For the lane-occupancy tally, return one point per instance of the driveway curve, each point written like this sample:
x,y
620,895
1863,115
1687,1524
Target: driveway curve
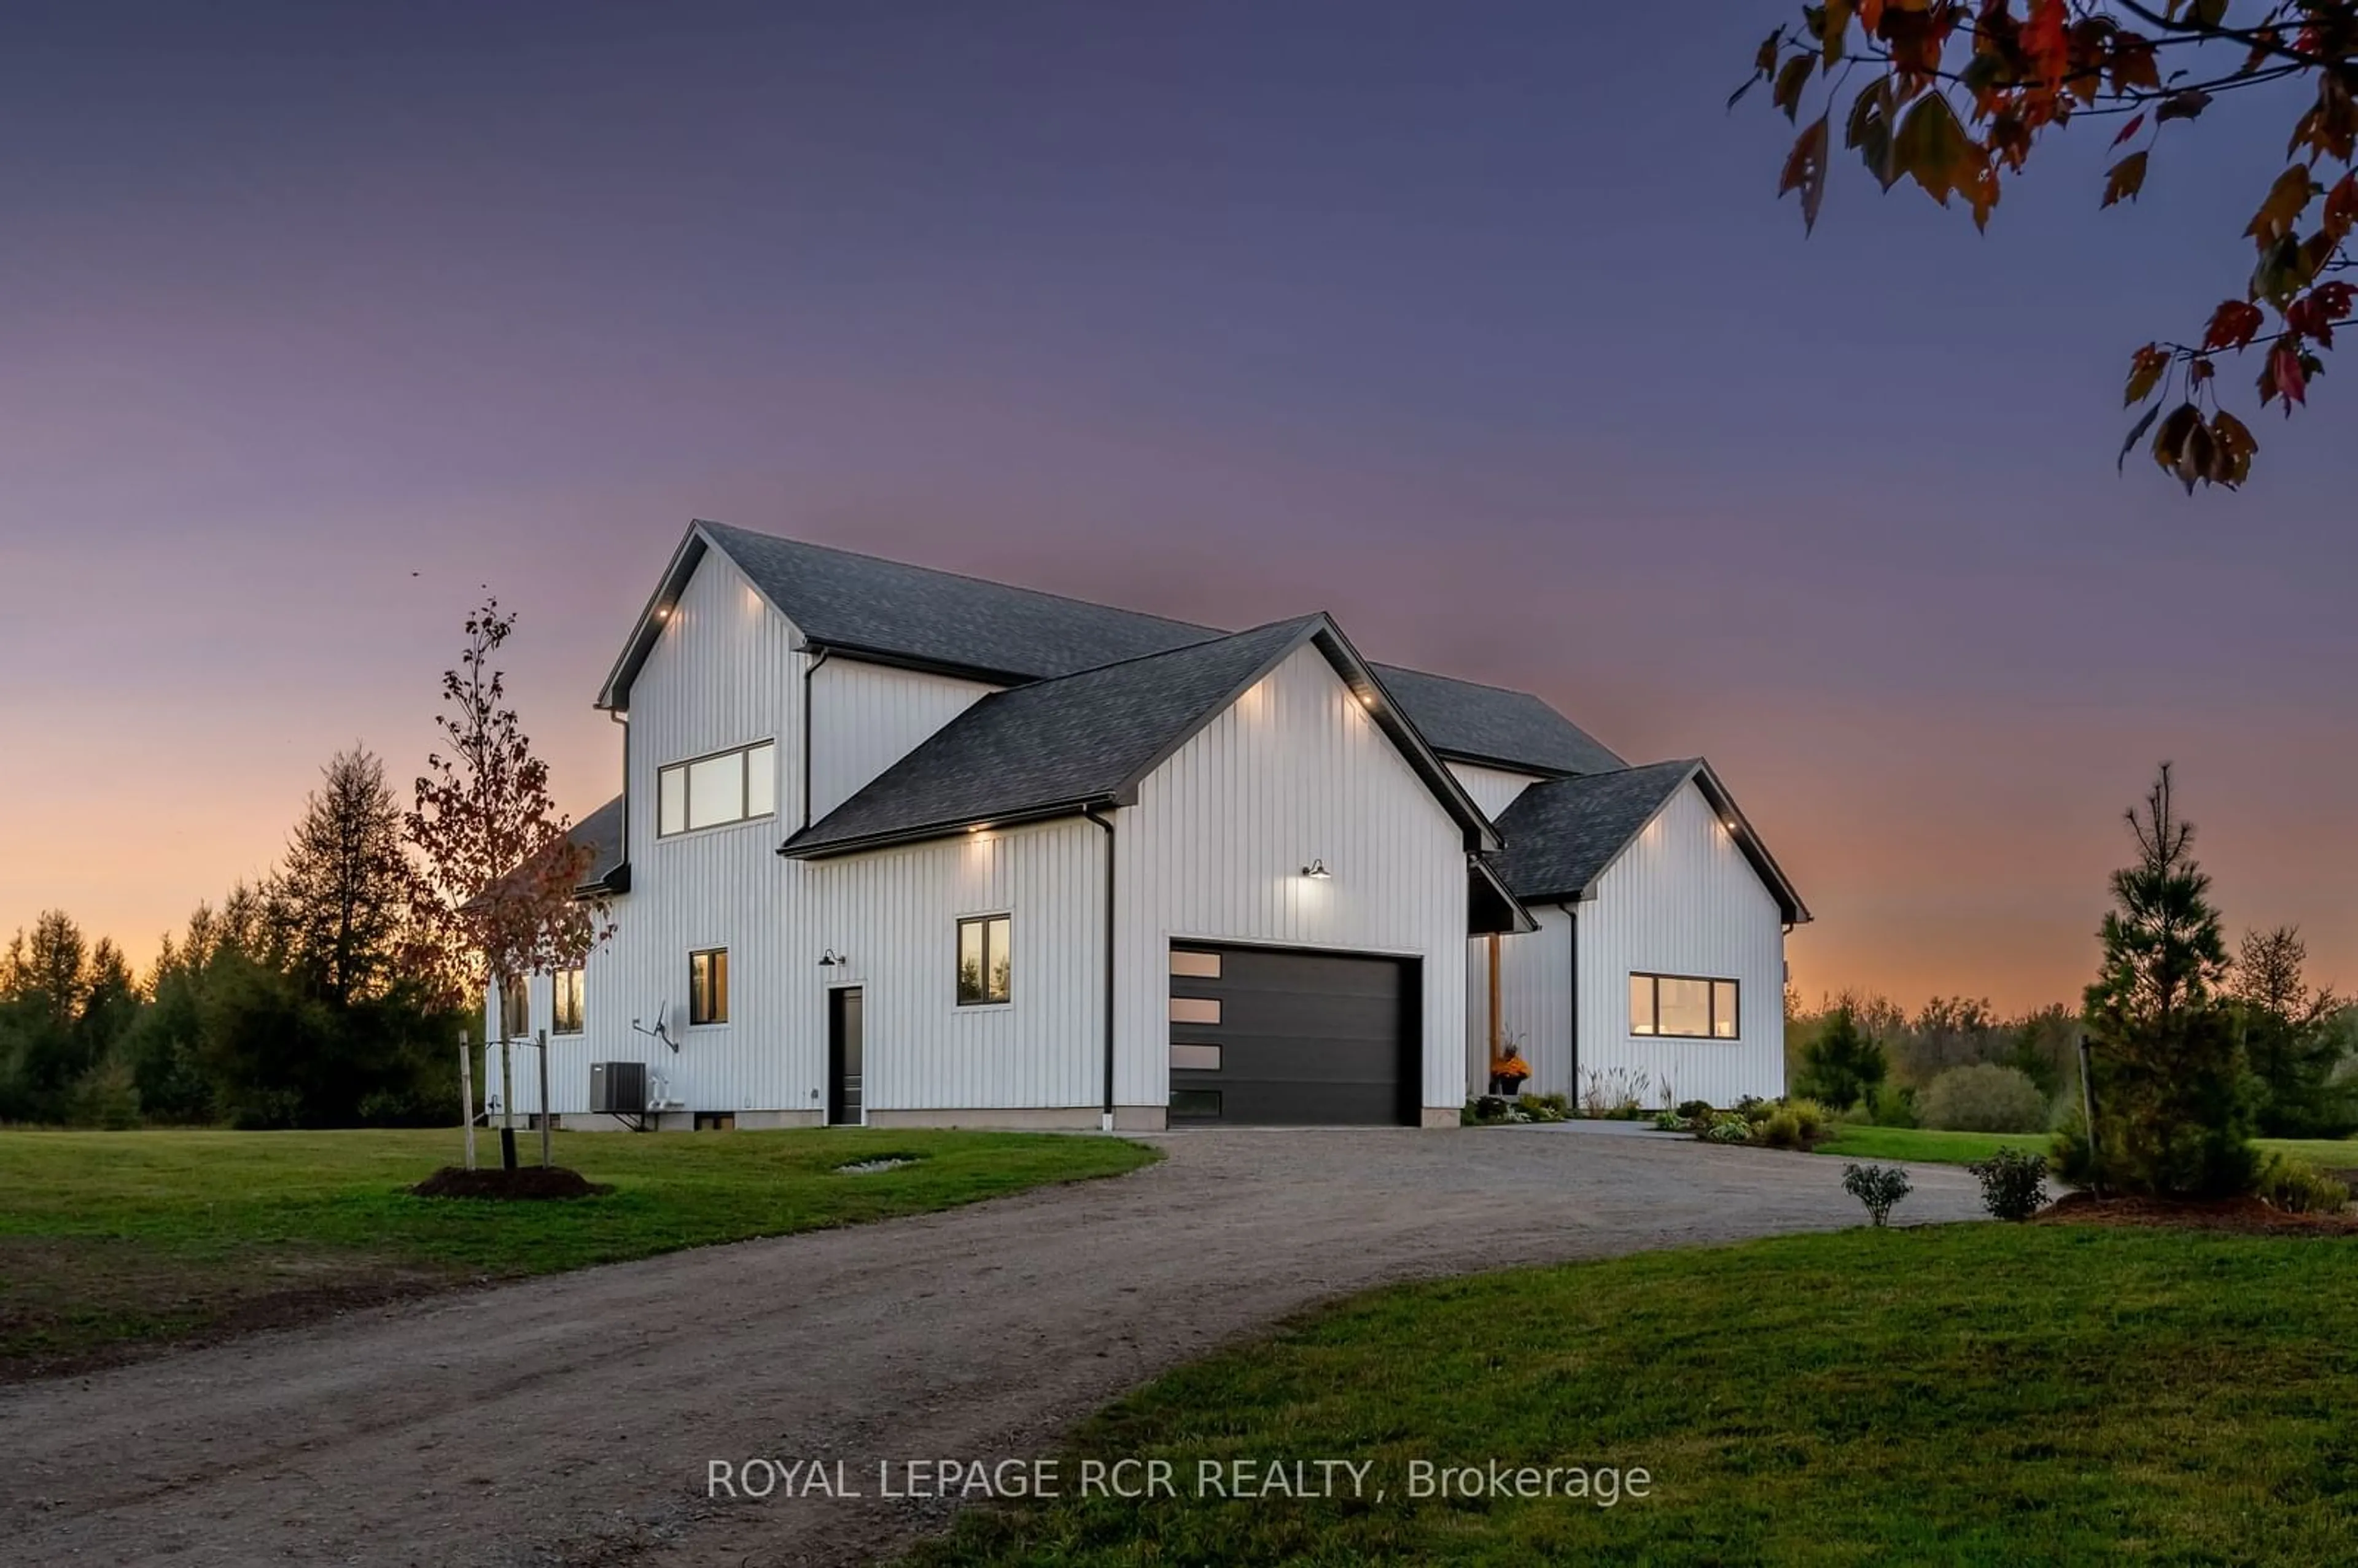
x,y
571,1420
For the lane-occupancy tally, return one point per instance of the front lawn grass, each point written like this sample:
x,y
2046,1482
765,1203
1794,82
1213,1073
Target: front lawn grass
x,y
1923,1145
115,1238
1950,1394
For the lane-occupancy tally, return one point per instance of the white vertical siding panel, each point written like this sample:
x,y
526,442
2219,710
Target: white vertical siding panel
x,y
724,672
1683,899
894,913
1294,771
1534,1003
865,718
1493,789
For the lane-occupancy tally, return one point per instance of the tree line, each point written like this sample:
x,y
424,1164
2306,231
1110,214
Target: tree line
x,y
338,989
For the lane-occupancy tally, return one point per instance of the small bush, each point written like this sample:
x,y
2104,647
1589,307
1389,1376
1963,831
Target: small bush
x,y
1694,1110
1668,1121
2296,1186
1893,1105
2013,1183
1983,1097
1812,1117
1546,1107
1879,1187
1752,1108
105,1097
1728,1128
1782,1130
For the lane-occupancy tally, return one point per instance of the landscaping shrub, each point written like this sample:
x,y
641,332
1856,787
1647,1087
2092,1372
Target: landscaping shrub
x,y
1844,1064
1728,1128
1893,1105
2013,1183
1879,1187
1781,1130
2296,1186
1752,1108
1812,1117
1668,1121
1983,1097
1694,1110
1546,1107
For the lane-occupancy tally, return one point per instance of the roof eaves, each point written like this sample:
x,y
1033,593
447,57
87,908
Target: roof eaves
x,y
797,848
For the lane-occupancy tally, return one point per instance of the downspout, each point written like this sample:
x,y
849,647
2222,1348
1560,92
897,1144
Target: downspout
x,y
623,718
1492,1066
1105,1122
1571,988
810,668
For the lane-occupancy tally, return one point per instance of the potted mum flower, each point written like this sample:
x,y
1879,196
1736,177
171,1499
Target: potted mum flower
x,y
1509,1073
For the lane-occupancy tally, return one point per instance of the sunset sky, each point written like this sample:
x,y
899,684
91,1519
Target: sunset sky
x,y
1480,326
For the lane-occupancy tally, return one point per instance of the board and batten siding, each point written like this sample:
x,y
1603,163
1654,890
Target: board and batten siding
x,y
893,915
724,672
865,718
1493,789
1534,1003
1682,900
1294,771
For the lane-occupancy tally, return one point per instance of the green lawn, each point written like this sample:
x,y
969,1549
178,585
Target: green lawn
x,y
1948,1394
1925,1146
116,1238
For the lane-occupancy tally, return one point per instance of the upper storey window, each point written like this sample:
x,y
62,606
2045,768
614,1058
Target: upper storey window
x,y
728,786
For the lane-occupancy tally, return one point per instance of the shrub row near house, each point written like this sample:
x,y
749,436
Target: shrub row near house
x,y
1791,1124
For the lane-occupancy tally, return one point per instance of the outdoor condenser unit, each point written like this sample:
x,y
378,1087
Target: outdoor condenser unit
x,y
618,1089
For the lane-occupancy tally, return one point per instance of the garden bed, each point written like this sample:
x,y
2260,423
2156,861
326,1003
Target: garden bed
x,y
541,1182
2246,1214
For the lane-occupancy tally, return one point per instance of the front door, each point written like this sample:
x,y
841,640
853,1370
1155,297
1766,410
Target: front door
x,y
843,1053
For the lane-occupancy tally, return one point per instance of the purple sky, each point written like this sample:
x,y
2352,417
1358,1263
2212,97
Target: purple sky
x,y
1480,326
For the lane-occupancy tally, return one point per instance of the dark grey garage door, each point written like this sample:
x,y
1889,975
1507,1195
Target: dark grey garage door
x,y
1293,1039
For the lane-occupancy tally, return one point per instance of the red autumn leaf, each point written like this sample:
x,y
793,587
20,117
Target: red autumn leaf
x,y
2289,380
1805,170
2045,45
2233,325
2137,123
2145,373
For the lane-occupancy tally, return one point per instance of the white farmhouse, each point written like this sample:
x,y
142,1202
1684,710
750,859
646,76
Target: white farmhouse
x,y
909,849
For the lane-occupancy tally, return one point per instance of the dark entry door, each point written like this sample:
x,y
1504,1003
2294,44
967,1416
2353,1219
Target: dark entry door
x,y
843,1053
1292,1038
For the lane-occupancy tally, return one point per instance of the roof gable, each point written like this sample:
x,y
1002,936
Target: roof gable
x,y
892,612
1563,835
1076,742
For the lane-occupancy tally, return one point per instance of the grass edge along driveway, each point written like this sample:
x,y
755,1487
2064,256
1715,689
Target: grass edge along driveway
x,y
114,1242
1944,1393
1927,1146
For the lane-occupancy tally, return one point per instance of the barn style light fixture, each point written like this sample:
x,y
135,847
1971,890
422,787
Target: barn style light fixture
x,y
1316,871
833,960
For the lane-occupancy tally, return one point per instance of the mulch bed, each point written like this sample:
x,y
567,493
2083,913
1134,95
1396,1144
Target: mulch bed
x,y
2249,1215
525,1182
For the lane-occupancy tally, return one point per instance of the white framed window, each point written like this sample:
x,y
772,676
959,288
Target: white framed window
x,y
515,1010
565,1012
1684,1007
710,792
986,970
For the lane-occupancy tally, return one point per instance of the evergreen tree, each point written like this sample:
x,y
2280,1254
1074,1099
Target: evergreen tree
x,y
341,901
2173,1096
2294,1037
1842,1065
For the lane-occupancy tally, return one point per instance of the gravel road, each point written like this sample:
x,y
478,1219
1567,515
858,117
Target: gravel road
x,y
571,1420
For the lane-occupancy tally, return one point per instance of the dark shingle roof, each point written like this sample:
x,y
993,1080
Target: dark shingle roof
x,y
855,601
1491,723
1055,745
892,609
603,831
1561,834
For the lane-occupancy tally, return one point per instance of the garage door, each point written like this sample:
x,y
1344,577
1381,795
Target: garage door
x,y
1292,1039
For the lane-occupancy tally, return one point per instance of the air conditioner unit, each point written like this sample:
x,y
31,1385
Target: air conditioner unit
x,y
618,1089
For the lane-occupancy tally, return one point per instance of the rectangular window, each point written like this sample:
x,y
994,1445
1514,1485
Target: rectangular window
x,y
1194,1102
985,970
566,1016
707,986
1194,966
515,1010
1196,1058
1195,1009
1685,1006
728,786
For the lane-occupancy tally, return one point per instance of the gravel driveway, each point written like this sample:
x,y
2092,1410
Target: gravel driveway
x,y
571,1419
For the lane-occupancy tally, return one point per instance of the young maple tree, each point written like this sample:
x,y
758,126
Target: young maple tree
x,y
1955,95
499,891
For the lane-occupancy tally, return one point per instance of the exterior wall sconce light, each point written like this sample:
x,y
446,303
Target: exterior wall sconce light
x,y
1316,871
832,959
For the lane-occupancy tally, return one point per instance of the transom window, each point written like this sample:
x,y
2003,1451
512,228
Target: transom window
x,y
1685,1006
728,786
565,1015
707,986
985,970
